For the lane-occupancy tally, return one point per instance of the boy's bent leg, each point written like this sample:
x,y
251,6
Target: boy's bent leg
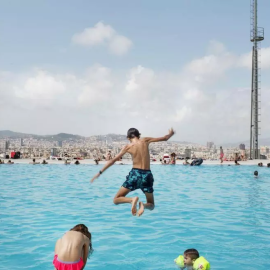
x,y
150,204
120,197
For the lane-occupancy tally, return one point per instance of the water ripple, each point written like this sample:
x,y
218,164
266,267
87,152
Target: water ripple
x,y
222,211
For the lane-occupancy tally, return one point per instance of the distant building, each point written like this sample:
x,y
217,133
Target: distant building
x,y
53,152
7,145
187,153
21,142
210,145
60,143
267,150
242,146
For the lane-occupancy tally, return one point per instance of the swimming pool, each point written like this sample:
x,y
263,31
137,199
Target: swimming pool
x,y
222,211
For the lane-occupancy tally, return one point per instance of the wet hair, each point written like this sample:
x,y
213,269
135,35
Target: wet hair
x,y
84,230
192,253
268,164
256,173
132,133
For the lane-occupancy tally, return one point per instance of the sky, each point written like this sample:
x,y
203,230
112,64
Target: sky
x,y
97,67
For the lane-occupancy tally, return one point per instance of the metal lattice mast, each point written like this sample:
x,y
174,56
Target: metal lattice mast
x,y
256,36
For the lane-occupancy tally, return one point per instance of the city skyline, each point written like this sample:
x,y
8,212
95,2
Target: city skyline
x,y
7,134
98,69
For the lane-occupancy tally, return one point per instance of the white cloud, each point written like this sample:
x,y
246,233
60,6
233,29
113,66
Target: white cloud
x,y
94,35
216,47
102,34
40,88
202,101
96,87
245,60
212,64
182,113
120,45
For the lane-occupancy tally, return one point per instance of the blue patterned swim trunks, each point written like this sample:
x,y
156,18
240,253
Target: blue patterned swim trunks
x,y
142,179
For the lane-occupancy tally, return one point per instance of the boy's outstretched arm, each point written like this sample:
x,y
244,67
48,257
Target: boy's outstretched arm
x,y
111,162
164,138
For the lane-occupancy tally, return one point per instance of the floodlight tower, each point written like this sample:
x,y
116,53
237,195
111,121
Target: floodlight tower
x,y
256,36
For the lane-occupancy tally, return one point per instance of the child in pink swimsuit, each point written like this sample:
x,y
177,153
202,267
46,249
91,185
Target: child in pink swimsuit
x,y
73,249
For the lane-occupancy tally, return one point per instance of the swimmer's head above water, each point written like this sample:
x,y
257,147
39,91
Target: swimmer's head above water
x,y
84,230
133,133
190,256
256,173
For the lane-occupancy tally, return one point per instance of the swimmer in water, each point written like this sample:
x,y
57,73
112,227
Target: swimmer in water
x,y
140,177
34,162
73,249
256,174
190,256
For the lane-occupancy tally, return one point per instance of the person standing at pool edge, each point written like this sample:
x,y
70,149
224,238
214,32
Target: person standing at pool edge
x,y
140,176
221,154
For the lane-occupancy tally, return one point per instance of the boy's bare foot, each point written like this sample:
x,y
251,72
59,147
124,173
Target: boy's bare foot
x,y
141,209
134,205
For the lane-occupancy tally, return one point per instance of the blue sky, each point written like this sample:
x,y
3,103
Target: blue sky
x,y
166,34
166,37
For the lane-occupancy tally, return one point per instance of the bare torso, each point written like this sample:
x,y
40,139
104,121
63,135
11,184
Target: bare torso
x,y
139,151
70,247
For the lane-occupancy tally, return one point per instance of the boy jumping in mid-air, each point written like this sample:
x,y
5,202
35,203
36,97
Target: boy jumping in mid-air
x,y
140,176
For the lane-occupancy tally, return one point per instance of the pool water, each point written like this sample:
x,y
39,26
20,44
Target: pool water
x,y
222,211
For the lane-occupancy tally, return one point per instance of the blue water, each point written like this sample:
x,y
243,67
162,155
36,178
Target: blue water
x,y
222,211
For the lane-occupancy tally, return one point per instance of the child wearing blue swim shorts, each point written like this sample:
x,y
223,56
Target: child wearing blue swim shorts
x,y
140,177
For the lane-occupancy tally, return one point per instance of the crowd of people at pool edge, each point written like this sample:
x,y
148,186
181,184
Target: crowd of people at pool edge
x,y
166,160
74,248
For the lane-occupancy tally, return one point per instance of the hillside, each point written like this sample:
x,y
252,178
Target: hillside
x,y
57,137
